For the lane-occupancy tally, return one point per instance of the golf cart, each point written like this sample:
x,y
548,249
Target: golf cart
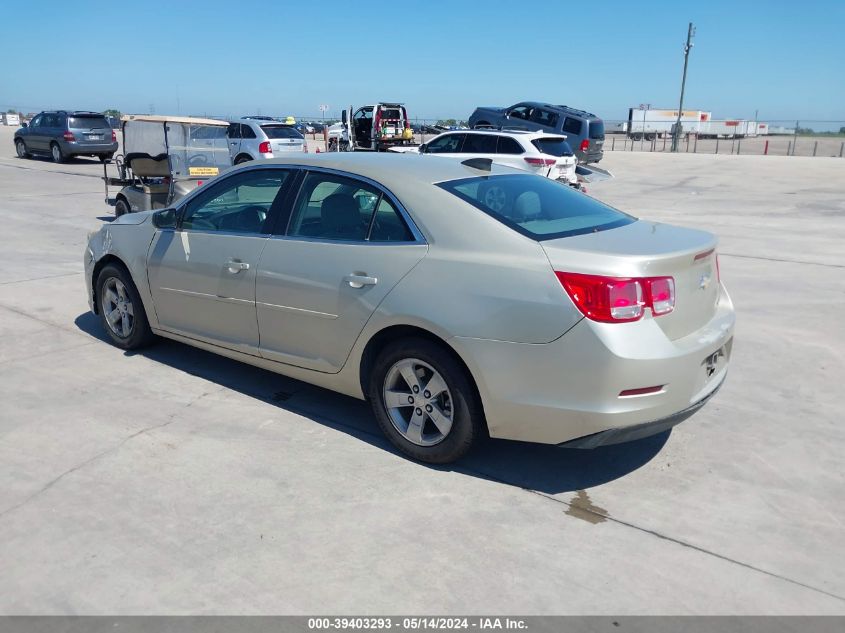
x,y
163,159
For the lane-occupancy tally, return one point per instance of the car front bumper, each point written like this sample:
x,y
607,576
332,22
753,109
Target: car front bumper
x,y
572,387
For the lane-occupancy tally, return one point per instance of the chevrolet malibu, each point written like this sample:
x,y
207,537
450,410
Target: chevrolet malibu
x,y
462,299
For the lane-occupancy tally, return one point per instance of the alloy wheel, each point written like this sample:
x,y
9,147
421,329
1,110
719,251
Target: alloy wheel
x,y
20,148
117,308
418,402
57,153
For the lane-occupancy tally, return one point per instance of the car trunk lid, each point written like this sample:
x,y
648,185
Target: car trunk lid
x,y
650,249
90,129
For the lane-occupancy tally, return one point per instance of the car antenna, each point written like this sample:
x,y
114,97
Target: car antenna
x,y
483,164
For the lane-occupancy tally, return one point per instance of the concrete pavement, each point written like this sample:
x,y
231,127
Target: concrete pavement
x,y
174,481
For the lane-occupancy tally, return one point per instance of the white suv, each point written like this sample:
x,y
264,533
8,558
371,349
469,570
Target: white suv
x,y
262,138
539,152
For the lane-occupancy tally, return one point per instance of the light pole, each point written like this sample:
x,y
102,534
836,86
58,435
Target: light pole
x,y
677,133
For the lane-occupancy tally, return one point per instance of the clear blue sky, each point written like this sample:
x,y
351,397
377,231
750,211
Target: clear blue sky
x,y
786,59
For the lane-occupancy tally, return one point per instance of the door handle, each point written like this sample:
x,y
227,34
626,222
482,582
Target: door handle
x,y
234,266
359,281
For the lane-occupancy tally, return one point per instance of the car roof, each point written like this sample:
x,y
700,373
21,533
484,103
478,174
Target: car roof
x,y
393,169
563,108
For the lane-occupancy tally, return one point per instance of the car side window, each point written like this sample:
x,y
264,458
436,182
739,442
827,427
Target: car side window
x,y
388,225
479,144
247,131
571,125
234,130
36,122
508,145
238,204
543,117
50,120
521,112
333,208
446,144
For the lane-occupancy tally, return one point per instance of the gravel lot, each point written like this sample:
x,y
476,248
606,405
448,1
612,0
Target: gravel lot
x,y
174,481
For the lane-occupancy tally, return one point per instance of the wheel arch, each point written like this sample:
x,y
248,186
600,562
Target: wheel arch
x,y
102,263
243,155
392,333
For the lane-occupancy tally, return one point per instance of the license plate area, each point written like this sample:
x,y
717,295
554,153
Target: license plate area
x,y
94,137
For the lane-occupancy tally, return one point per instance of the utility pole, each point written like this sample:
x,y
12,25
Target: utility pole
x,y
677,133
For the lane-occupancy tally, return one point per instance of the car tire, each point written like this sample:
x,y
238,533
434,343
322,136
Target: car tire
x,y
104,157
494,197
243,158
56,153
20,149
121,309
121,207
411,426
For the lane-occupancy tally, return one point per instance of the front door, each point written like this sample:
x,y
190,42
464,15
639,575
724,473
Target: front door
x,y
35,139
233,136
346,247
202,275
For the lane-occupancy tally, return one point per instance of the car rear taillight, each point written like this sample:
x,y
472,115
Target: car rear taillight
x,y
113,137
69,137
377,123
264,148
585,145
618,299
541,162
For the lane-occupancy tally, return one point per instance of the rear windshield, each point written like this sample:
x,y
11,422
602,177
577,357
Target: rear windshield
x,y
537,207
391,114
597,129
281,131
87,121
553,146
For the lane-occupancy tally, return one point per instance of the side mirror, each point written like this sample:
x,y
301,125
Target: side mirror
x,y
343,117
423,148
507,115
24,124
166,219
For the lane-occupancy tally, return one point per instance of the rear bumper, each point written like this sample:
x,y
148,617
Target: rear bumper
x,y
573,387
87,148
638,431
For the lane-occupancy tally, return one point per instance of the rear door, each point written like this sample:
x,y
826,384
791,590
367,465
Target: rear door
x,y
445,144
320,279
89,129
202,276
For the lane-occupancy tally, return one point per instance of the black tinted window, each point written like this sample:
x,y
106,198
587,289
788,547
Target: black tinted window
x,y
446,144
521,112
546,118
597,129
555,146
87,122
507,145
234,130
247,131
572,126
537,207
280,131
479,144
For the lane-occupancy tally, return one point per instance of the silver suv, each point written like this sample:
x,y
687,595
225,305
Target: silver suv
x,y
262,138
62,134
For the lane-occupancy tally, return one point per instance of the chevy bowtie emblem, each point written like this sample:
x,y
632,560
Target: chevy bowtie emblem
x,y
704,281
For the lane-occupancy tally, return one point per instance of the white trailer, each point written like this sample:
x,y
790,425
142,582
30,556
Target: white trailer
x,y
729,128
11,119
648,123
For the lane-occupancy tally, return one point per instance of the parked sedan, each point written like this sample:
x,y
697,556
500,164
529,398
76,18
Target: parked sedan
x,y
549,318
